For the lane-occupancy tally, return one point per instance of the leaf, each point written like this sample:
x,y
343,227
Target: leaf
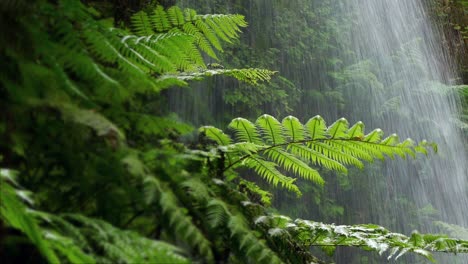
x,y
269,172
293,147
338,129
293,128
316,128
291,163
216,134
245,130
271,128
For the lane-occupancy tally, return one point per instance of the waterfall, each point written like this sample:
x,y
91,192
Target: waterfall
x,y
393,72
416,100
405,50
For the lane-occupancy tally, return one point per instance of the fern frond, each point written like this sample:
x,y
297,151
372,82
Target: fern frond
x,y
316,128
201,39
160,20
271,128
113,244
15,214
217,213
197,189
176,16
251,76
356,131
99,46
179,223
335,154
367,236
106,46
316,158
294,128
338,129
269,172
208,33
374,136
216,134
360,151
159,126
245,130
205,28
219,31
156,61
141,24
249,246
229,25
179,48
251,188
294,146
237,150
289,162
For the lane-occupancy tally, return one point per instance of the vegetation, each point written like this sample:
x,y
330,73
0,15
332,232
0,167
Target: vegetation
x,y
96,170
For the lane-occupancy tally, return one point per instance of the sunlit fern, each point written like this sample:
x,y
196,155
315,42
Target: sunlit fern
x,y
267,145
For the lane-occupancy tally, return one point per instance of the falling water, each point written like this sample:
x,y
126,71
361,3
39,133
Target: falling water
x,y
394,44
397,38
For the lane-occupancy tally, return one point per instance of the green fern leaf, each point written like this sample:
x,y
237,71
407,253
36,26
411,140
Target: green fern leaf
x,y
141,24
208,33
248,246
335,154
269,172
292,146
363,152
316,158
245,130
176,16
178,222
374,136
202,41
146,47
229,25
291,163
271,128
356,131
14,213
317,128
216,134
367,236
190,14
217,213
294,129
251,187
339,129
251,76
182,226
160,20
219,32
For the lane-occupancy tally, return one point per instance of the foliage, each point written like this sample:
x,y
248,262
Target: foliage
x,y
75,237
368,236
293,146
106,175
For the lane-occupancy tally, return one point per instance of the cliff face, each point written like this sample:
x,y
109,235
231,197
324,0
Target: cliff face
x,y
453,16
